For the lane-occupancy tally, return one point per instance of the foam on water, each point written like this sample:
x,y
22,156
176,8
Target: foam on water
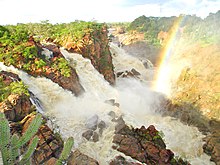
x,y
138,105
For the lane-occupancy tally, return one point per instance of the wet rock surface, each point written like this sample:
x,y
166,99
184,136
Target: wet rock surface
x,y
143,144
20,112
78,158
72,82
97,51
95,128
131,73
120,160
112,102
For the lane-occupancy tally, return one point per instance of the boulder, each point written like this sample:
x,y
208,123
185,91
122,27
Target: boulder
x,y
142,144
77,158
92,122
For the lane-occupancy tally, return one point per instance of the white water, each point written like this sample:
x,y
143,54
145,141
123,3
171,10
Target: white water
x,y
123,61
137,105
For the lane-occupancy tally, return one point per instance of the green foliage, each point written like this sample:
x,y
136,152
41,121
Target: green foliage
x,y
17,87
10,145
206,30
14,49
29,52
40,63
3,30
66,151
62,65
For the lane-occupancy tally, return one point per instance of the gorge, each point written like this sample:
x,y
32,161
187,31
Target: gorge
x,y
95,92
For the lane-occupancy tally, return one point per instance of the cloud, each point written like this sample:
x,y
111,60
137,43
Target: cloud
x,y
57,11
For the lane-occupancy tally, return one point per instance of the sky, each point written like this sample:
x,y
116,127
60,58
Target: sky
x,y
59,11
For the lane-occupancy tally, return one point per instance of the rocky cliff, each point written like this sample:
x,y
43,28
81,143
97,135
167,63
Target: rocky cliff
x,y
95,46
16,105
19,110
28,55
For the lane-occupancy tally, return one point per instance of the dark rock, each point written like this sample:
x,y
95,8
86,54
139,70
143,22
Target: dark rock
x,y
136,73
92,122
120,125
126,73
95,137
16,107
88,134
51,161
212,146
97,52
77,158
119,160
166,155
112,102
101,126
9,77
112,114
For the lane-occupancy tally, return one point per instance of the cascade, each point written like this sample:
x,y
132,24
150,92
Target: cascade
x,y
138,105
123,61
35,101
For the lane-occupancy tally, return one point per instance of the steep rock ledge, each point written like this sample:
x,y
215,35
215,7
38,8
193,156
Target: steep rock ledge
x,y
18,109
70,82
28,56
95,46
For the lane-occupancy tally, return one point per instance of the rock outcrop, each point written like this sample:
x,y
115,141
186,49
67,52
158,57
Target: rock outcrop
x,y
95,46
42,60
119,160
143,144
14,106
78,158
49,146
132,73
70,82
19,110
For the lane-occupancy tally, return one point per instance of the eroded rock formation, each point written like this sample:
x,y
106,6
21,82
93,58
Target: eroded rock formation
x,y
95,46
143,144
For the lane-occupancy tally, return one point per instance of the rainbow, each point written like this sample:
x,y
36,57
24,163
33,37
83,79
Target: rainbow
x,y
162,62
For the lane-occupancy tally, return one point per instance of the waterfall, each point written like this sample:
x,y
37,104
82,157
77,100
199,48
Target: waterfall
x,y
35,101
138,105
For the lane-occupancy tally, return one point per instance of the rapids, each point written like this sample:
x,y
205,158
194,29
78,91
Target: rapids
x,y
138,106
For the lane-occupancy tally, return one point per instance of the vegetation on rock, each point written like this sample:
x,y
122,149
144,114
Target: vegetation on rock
x,y
204,30
24,137
87,38
16,87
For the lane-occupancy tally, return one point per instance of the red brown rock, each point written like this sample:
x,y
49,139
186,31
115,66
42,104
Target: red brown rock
x,y
49,146
77,158
144,145
97,51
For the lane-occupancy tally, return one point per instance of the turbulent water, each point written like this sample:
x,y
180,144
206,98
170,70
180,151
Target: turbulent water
x,y
138,104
